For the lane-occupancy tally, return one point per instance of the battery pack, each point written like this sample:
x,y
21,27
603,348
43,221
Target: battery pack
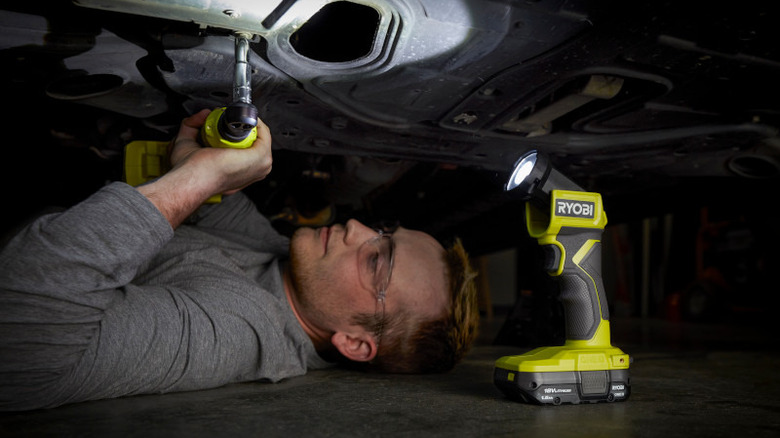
x,y
147,160
564,387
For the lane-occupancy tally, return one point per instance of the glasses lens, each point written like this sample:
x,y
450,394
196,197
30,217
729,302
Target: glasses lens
x,y
376,264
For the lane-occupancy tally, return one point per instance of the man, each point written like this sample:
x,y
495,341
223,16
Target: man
x,y
106,300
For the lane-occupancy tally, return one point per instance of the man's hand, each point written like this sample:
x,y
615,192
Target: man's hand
x,y
199,172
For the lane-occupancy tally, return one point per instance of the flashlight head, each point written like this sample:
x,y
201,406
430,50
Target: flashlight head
x,y
533,177
529,170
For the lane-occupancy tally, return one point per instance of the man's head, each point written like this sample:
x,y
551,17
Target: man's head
x,y
428,316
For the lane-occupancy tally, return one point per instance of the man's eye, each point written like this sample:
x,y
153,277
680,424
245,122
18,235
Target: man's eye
x,y
373,262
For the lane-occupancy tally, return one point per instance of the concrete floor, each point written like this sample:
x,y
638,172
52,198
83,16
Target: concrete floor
x,y
687,380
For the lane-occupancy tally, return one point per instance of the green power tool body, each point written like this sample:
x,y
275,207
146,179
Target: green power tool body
x,y
587,368
233,126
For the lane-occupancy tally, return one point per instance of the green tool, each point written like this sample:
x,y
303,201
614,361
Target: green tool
x,y
568,223
232,126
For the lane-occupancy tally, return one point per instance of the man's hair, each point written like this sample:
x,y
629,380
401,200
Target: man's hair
x,y
410,345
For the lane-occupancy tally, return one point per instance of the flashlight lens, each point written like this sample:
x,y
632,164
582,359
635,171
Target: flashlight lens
x,y
523,168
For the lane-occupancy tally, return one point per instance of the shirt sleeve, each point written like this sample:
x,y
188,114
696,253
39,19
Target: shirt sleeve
x,y
97,245
58,278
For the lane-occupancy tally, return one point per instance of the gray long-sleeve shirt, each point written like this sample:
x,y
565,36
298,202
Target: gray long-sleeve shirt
x,y
105,300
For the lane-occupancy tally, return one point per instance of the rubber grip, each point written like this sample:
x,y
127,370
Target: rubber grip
x,y
582,288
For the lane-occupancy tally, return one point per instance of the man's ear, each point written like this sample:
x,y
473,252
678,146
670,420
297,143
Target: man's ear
x,y
358,347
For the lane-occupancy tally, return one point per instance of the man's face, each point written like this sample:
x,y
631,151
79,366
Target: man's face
x,y
325,265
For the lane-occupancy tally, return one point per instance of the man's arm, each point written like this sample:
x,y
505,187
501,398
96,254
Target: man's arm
x,y
198,172
63,274
98,244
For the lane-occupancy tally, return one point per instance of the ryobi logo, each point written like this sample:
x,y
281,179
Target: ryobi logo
x,y
568,208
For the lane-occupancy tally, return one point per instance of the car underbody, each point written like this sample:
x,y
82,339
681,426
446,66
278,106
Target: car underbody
x,y
409,110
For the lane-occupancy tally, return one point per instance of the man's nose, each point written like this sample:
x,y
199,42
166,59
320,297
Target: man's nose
x,y
357,233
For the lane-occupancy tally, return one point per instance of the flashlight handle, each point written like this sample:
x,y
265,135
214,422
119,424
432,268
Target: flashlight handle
x,y
581,285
